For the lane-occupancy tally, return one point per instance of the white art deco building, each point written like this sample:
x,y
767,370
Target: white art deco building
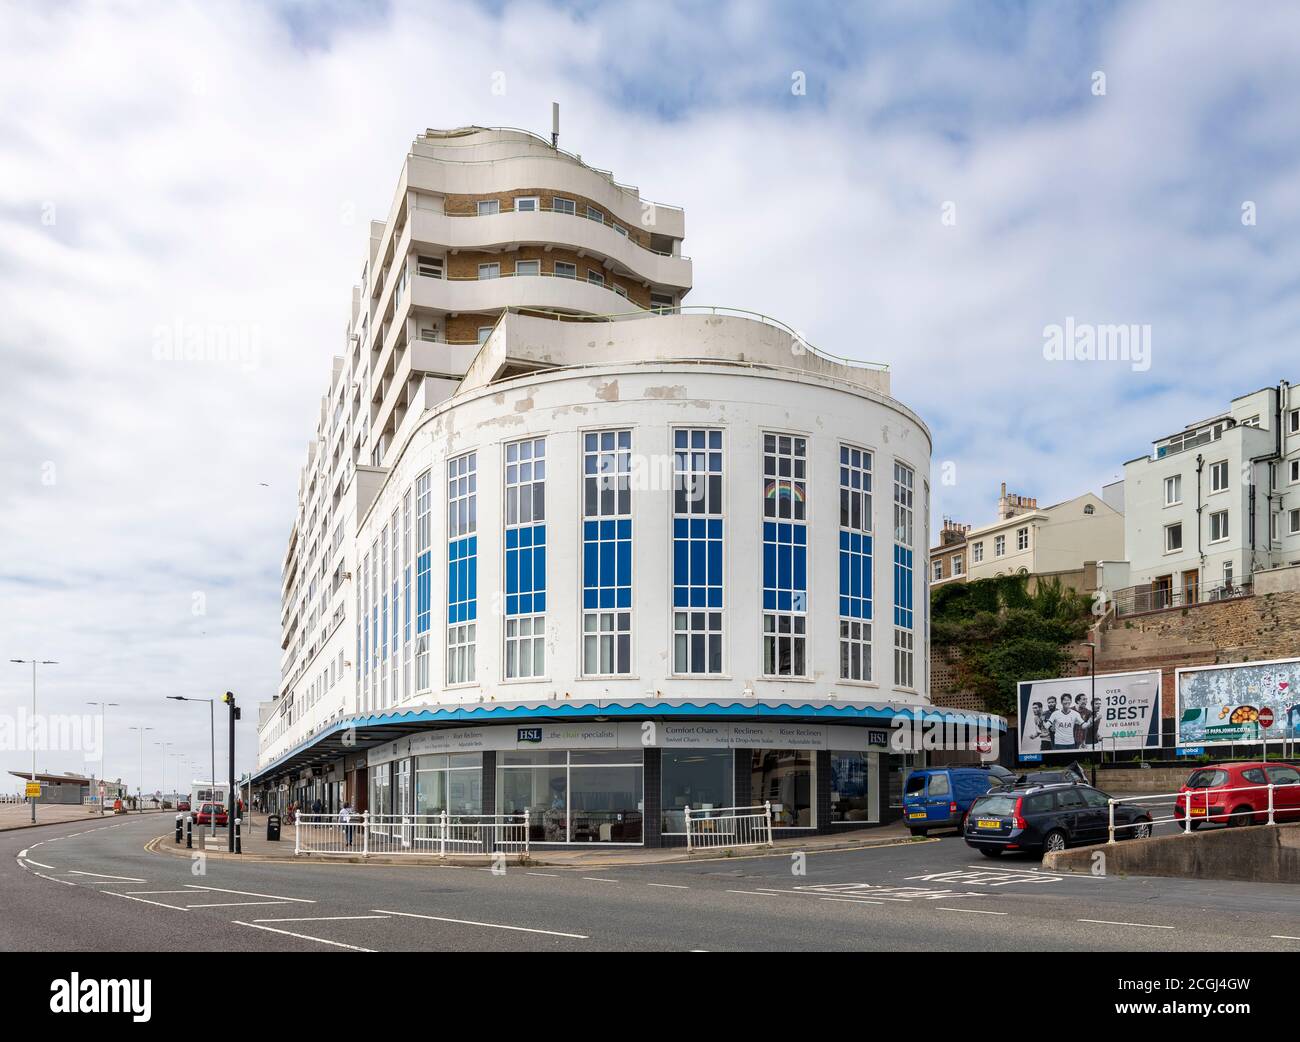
x,y
567,544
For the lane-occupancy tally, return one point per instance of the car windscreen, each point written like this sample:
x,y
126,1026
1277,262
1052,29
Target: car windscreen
x,y
994,806
1205,779
915,784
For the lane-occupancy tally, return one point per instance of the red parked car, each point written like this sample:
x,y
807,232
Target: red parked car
x,y
208,811
1235,794
183,805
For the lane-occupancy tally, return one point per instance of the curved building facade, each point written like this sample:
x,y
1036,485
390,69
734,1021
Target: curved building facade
x,y
607,557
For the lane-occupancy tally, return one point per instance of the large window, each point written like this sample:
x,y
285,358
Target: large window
x,y
855,563
423,575
1219,476
904,642
380,792
462,567
583,796
697,551
785,555
702,779
1218,526
451,782
784,778
407,605
525,559
607,553
851,786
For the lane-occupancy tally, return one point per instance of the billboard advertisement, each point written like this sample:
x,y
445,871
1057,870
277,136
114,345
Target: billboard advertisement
x,y
1249,702
1067,716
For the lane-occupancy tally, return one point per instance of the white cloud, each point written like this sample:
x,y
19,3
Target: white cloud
x,y
208,166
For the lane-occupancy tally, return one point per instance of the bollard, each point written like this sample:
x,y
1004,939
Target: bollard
x,y
178,827
189,832
239,845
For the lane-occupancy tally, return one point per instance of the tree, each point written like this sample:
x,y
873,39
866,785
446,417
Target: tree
x,y
1003,634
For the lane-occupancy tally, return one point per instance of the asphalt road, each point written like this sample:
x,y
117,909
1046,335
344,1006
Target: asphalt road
x,y
93,887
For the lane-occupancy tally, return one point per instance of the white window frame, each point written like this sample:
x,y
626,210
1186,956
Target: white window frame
x,y
594,215
493,270
904,658
938,569
999,546
488,207
1293,421
528,204
958,565
429,267
534,267
1225,534
1174,482
1217,468
1293,521
570,272
1293,471
561,204
1169,530
595,277
1022,538
977,552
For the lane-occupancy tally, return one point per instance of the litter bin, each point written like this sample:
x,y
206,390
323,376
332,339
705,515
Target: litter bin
x,y
273,827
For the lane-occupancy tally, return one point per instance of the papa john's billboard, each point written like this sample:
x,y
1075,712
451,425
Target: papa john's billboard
x,y
1248,702
1067,716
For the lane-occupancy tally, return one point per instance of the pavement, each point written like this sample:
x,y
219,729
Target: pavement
x,y
97,888
256,846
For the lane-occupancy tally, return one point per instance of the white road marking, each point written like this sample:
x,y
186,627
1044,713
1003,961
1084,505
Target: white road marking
x,y
249,893
495,926
851,901
545,875
39,865
236,904
105,875
160,904
23,852
971,911
1108,922
671,886
755,893
321,918
1283,937
598,879
303,936
187,893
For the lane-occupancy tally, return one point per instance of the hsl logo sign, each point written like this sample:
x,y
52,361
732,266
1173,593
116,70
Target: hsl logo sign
x,y
529,734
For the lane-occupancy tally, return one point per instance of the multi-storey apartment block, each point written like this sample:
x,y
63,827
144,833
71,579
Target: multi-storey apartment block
x,y
567,546
1214,504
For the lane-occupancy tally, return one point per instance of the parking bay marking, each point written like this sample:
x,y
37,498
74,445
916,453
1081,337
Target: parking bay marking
x,y
495,926
303,936
1108,922
248,893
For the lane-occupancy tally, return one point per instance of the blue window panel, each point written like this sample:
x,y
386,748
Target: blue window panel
x,y
423,572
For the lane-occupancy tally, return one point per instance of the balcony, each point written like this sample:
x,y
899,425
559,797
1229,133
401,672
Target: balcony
x,y
1158,596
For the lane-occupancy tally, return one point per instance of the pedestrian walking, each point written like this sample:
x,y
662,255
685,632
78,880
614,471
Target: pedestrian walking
x,y
345,819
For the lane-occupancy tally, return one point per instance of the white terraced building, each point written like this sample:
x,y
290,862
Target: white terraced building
x,y
567,546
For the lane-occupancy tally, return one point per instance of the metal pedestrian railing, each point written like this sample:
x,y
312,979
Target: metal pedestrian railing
x,y
430,835
711,828
1221,805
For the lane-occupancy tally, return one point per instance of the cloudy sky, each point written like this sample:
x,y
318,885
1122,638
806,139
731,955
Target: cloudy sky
x,y
925,184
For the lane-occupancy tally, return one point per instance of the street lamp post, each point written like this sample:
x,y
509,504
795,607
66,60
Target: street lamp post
x,y
212,733
164,746
34,664
1092,706
139,785
103,778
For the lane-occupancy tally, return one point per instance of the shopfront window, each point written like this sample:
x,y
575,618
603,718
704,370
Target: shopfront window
x,y
579,797
402,787
699,779
851,781
784,778
451,782
381,793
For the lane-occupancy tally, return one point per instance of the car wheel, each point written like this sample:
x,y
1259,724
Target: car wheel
x,y
1241,817
917,832
1054,840
991,851
1195,825
1141,830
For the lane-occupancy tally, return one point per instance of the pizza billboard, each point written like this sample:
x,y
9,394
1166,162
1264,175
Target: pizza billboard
x,y
1068,716
1244,703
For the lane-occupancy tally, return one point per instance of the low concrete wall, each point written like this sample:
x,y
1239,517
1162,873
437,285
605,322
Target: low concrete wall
x,y
1257,853
1156,779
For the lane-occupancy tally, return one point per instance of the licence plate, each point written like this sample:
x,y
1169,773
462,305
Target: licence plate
x,y
917,814
1198,810
986,823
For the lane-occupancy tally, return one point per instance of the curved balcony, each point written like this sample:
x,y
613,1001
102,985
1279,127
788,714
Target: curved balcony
x,y
543,292
471,232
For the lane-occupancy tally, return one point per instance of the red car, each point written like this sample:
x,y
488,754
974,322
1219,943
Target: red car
x,y
183,805
208,811
1237,794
